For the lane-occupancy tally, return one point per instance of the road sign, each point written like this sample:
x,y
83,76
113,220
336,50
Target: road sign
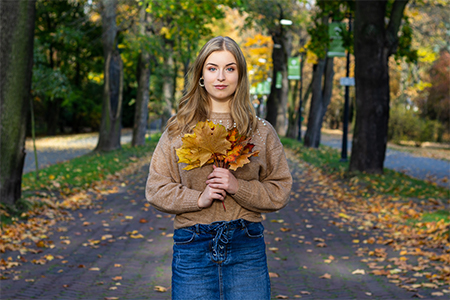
x,y
348,81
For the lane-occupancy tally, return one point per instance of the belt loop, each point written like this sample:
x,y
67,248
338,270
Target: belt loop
x,y
243,225
197,228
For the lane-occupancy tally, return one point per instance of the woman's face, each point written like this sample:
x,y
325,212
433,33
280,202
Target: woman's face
x,y
220,74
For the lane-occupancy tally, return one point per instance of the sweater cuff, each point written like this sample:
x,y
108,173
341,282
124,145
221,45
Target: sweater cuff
x,y
244,192
190,202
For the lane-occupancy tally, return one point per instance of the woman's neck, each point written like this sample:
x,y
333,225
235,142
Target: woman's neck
x,y
220,107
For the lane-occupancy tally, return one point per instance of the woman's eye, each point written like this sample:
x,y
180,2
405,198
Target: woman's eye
x,y
212,69
230,69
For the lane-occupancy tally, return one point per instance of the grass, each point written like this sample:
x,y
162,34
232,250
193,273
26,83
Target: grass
x,y
81,172
389,183
74,175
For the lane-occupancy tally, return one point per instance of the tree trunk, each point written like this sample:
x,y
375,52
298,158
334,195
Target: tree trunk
x,y
278,98
142,98
110,127
374,43
16,61
168,84
292,113
321,97
143,95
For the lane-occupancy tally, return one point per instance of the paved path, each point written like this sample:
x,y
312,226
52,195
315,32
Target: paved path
x,y
53,150
59,149
424,168
122,249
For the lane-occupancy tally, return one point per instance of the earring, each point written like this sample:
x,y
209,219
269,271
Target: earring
x,y
201,82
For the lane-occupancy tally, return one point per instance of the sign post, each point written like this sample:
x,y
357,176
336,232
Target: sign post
x,y
347,82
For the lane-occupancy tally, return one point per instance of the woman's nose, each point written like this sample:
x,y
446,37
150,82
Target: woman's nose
x,y
220,76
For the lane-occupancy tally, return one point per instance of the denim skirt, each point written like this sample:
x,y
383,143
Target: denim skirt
x,y
220,261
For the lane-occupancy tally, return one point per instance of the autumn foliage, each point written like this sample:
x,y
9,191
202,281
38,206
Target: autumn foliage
x,y
211,143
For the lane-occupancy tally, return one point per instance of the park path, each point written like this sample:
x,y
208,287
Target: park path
x,y
424,168
121,249
52,150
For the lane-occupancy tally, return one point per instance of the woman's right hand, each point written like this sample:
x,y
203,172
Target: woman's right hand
x,y
209,195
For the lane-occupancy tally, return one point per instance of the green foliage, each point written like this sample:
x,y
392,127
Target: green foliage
x,y
405,48
406,124
82,172
318,31
390,183
66,51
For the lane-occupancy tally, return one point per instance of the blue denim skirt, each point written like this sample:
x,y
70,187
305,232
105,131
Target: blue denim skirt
x,y
222,260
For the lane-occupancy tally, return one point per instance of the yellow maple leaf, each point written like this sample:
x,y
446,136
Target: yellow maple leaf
x,y
200,147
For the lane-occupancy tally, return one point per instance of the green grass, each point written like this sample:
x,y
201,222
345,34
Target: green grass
x,y
435,216
77,174
389,183
81,172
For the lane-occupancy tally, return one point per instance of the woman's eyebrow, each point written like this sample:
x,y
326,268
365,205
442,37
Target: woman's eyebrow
x,y
213,64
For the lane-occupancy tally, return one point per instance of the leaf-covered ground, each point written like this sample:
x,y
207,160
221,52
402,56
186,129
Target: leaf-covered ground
x,y
333,240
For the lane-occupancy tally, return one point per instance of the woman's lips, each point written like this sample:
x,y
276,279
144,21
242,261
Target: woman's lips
x,y
220,87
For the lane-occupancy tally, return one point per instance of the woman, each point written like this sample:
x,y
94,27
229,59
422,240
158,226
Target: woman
x,y
218,253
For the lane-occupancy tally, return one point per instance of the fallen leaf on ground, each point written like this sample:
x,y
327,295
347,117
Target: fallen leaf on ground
x,y
273,275
325,276
160,289
281,297
359,271
305,293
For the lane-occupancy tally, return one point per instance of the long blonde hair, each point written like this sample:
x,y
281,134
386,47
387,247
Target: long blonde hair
x,y
195,106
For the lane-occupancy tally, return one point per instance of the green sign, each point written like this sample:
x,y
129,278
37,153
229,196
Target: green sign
x,y
336,44
262,88
278,83
294,68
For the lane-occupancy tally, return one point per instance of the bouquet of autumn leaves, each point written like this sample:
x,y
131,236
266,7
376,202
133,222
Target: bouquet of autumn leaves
x,y
211,143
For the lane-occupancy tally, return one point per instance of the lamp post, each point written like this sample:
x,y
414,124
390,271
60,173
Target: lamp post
x,y
299,113
346,104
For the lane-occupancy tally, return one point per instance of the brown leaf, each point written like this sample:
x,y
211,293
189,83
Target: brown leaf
x,y
417,295
273,275
281,297
305,293
117,278
325,276
160,289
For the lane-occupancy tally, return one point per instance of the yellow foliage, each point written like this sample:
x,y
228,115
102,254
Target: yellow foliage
x,y
311,57
426,55
166,32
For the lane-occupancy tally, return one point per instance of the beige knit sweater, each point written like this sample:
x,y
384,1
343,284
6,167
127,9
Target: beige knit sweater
x,y
264,183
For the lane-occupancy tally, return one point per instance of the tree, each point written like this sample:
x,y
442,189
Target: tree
x,y
66,51
110,127
16,58
143,78
323,72
268,15
374,42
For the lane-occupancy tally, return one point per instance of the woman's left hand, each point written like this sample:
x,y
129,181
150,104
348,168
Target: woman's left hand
x,y
222,178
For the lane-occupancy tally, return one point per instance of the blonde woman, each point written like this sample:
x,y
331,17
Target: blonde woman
x,y
217,253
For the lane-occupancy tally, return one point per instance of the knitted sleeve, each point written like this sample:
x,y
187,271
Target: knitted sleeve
x,y
164,189
271,191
